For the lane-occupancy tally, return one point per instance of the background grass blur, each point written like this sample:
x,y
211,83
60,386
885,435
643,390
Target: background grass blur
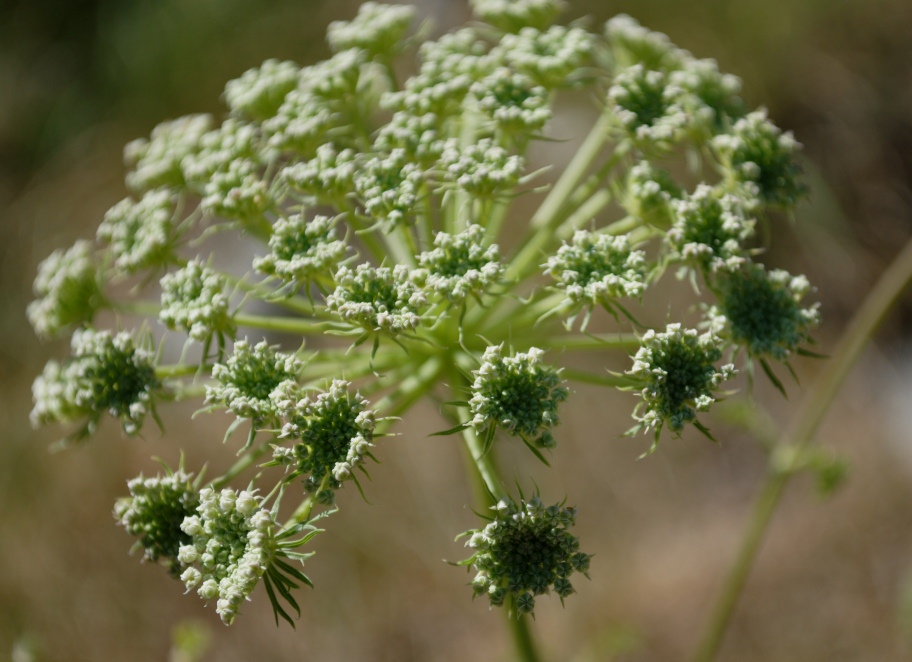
x,y
80,78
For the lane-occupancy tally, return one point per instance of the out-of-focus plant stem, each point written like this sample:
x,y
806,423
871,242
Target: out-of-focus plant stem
x,y
799,436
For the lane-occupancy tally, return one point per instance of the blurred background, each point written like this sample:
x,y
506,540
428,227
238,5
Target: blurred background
x,y
80,78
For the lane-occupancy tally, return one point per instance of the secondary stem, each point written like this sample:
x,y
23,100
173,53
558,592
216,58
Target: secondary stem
x,y
800,435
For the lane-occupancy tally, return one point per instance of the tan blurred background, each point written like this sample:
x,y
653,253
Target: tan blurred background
x,y
80,78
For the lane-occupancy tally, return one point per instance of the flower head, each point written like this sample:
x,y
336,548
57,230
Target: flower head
x,y
649,193
514,15
105,373
631,44
551,57
141,235
68,287
648,105
334,431
237,192
596,269
378,29
518,393
328,178
302,250
156,162
483,169
377,298
460,265
232,545
676,373
758,154
248,377
513,101
388,186
761,310
194,300
526,550
260,91
711,228
154,512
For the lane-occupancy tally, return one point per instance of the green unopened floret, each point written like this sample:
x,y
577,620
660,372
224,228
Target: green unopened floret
x,y
526,550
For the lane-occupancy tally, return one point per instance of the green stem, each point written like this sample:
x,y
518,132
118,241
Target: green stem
x,y
800,435
586,341
281,324
522,636
604,379
240,466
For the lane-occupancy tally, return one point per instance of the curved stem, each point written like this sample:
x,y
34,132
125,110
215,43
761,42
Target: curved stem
x,y
800,435
281,324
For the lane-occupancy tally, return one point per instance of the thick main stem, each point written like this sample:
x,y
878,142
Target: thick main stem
x,y
800,435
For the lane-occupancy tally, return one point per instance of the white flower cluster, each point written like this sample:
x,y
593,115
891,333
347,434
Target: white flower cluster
x,y
711,227
513,101
377,298
325,179
194,300
247,378
68,287
483,169
513,15
156,162
759,155
301,124
388,186
632,43
595,269
460,265
551,58
335,429
378,29
142,234
105,373
218,149
677,371
649,107
449,66
518,393
418,135
649,192
233,545
302,250
237,192
259,92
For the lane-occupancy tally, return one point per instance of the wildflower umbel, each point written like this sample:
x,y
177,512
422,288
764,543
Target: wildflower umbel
x,y
154,512
106,372
517,393
525,551
399,249
246,380
334,431
761,310
677,377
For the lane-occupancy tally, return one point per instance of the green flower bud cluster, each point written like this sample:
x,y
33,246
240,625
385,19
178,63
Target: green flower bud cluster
x,y
249,376
514,15
194,300
526,550
106,372
649,106
302,250
512,101
552,58
154,512
68,287
141,235
156,162
260,92
483,169
710,229
519,394
761,310
649,192
377,299
460,265
677,376
335,430
596,269
378,29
